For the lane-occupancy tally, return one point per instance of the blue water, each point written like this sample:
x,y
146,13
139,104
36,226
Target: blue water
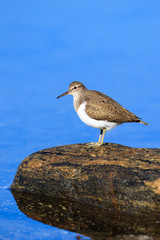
x,y
110,46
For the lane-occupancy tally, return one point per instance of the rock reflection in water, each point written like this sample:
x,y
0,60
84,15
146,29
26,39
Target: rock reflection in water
x,y
85,219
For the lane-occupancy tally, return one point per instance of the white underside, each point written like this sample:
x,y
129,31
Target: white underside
x,y
101,124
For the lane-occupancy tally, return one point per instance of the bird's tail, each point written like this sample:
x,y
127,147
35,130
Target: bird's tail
x,y
144,123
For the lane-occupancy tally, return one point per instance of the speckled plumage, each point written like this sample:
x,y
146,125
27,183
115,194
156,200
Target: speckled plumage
x,y
101,107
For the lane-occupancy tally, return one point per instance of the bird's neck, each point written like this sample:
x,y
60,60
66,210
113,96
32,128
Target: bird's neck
x,y
78,99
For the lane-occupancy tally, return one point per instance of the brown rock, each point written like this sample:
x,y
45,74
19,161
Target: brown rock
x,y
112,177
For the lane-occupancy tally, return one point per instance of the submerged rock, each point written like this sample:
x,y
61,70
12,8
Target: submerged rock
x,y
94,222
112,177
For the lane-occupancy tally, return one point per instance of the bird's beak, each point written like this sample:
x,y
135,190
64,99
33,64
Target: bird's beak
x,y
63,94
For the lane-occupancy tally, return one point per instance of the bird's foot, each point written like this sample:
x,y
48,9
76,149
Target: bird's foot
x,y
94,144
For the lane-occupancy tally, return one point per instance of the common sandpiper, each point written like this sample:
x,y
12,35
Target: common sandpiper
x,y
98,110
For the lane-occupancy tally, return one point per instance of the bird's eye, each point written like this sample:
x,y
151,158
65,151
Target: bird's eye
x,y
75,87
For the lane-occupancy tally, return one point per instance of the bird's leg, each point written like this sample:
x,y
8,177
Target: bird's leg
x,y
104,131
96,144
100,136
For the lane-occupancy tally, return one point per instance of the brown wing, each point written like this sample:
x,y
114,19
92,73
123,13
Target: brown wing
x,y
102,107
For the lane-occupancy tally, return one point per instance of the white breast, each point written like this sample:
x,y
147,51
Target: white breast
x,y
101,124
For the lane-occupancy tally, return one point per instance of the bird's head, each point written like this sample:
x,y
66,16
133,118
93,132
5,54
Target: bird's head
x,y
74,89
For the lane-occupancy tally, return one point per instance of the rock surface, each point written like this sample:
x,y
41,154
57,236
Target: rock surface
x,y
112,177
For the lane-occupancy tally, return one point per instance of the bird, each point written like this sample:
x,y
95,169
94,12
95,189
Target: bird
x,y
98,110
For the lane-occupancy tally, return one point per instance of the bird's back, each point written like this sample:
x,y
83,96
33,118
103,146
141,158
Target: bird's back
x,y
101,107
